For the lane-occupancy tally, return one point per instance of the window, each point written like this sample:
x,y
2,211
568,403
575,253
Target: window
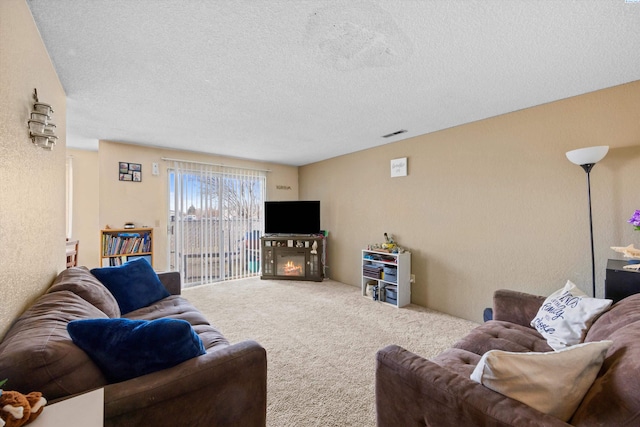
x,y
216,219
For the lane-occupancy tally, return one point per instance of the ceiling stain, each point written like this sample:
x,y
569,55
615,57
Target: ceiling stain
x,y
357,36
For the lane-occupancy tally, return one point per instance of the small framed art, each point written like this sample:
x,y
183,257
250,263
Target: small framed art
x,y
399,167
130,171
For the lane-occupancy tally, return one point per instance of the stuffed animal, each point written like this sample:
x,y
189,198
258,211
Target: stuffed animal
x,y
17,409
37,402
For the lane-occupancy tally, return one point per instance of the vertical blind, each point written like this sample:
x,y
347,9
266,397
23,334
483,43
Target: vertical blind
x,y
216,220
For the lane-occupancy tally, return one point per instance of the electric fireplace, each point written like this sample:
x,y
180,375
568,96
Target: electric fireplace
x,y
290,264
293,257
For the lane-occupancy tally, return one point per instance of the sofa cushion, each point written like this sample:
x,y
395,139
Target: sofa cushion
x,y
614,398
457,360
503,335
566,315
133,284
553,383
624,312
84,284
177,307
126,349
37,353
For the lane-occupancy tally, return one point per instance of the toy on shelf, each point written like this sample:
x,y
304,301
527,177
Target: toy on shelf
x,y
388,246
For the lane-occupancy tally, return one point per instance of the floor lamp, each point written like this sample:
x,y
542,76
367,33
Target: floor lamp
x,y
587,158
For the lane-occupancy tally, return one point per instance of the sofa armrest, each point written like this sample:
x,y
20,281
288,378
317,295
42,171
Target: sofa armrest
x,y
412,391
171,281
516,307
225,387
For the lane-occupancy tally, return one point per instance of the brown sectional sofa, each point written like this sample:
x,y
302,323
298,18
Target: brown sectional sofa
x,y
226,386
413,391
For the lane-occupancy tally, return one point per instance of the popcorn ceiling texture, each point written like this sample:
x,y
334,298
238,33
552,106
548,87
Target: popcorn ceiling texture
x,y
296,82
357,36
32,180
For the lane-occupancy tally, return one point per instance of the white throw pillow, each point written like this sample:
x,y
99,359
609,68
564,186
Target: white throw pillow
x,y
566,316
553,383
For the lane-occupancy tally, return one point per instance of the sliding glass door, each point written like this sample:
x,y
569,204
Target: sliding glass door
x,y
215,222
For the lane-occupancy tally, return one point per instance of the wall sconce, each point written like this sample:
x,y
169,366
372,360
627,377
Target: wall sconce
x,y
41,131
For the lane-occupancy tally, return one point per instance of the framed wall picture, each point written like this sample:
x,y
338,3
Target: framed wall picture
x,y
399,167
130,171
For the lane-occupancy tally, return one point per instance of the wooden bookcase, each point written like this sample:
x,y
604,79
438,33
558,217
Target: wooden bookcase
x,y
119,245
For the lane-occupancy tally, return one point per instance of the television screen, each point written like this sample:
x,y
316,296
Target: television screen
x,y
299,217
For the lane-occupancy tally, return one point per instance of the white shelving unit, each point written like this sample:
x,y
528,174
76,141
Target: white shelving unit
x,y
401,283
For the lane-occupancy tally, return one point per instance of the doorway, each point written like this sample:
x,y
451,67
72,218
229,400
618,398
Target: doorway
x,y
216,219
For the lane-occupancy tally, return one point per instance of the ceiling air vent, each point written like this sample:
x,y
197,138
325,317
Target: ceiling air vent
x,y
398,132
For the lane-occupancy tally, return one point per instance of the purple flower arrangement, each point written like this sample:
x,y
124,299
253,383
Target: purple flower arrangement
x,y
635,220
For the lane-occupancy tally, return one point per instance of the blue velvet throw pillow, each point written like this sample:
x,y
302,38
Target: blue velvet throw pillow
x,y
124,348
133,284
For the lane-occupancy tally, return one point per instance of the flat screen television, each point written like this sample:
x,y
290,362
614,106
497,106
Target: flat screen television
x,y
292,217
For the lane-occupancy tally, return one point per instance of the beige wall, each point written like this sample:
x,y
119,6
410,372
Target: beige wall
x,y
32,180
86,201
144,203
492,204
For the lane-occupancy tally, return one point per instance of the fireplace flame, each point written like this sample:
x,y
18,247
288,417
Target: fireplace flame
x,y
292,269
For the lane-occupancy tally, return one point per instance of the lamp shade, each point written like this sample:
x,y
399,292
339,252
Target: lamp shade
x,y
589,155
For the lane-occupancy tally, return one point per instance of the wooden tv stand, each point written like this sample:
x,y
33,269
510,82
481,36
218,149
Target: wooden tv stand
x,y
292,257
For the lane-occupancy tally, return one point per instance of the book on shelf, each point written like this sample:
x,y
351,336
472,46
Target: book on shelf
x,y
114,261
128,234
125,243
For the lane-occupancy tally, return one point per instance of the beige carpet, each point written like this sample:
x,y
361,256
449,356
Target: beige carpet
x,y
321,339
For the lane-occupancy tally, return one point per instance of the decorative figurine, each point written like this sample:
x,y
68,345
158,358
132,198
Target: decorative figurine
x,y
628,251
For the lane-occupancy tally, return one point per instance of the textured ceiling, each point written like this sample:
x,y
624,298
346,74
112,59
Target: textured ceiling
x,y
296,82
